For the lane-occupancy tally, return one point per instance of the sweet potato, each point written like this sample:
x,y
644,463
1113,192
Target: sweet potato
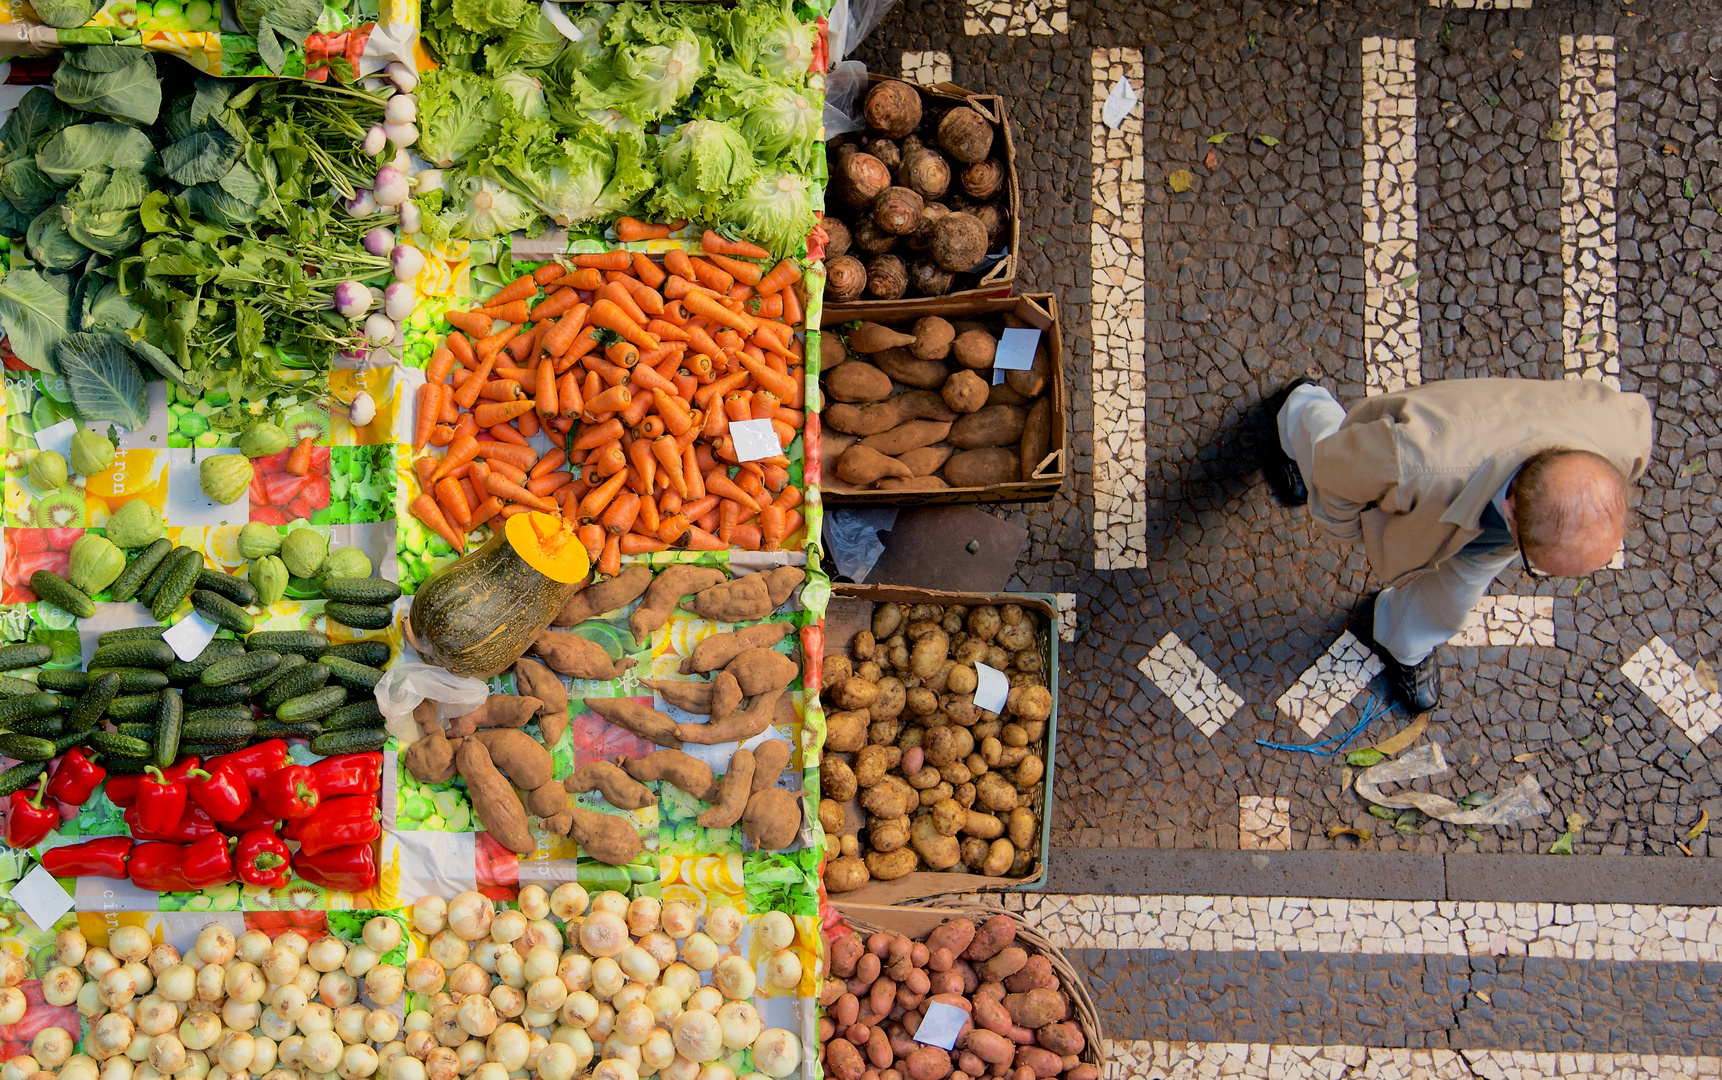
x,y
833,442
1036,436
862,465
608,838
493,799
983,468
718,650
933,337
760,671
431,758
911,483
607,778
995,425
1032,381
684,771
741,599
772,818
846,731
609,595
546,800
770,758
903,366
908,436
558,822
1037,1008
871,337
783,582
846,874
974,349
737,727
924,461
665,592
726,696
992,936
498,711
521,758
857,381
965,392
1002,394
642,720
882,416
535,680
692,695
583,658
733,792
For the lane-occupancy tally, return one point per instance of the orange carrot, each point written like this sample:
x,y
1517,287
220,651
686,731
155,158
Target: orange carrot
x,y
568,397
505,470
599,497
674,410
548,483
520,288
593,436
716,244
606,260
645,465
441,363
666,331
549,272
620,514
447,413
487,508
701,304
427,511
424,467
466,426
500,390
775,381
676,261
529,425
635,544
610,559
718,483
765,307
556,305
783,274
738,405
562,331
546,396
502,433
503,488
691,470
515,311
763,405
718,388
441,435
744,272
462,348
549,463
699,539
500,412
490,346
495,450
623,299
452,500
615,399
623,354
525,345
591,537
695,509
791,313
647,270
606,460
669,455
299,461
584,342
632,230
711,277
461,451
773,526
650,300
428,402
475,323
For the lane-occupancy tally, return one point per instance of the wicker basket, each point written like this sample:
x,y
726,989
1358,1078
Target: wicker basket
x,y
1087,1017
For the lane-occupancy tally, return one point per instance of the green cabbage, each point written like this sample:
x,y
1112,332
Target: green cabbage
x,y
776,213
778,121
526,93
488,209
534,43
704,165
586,179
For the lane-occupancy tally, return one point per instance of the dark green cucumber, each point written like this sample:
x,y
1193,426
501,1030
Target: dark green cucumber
x,y
137,571
23,708
370,653
216,729
290,662
119,745
236,589
236,693
88,712
232,669
62,594
271,729
221,611
26,747
301,681
133,680
144,654
132,633
316,704
119,765
157,577
180,581
361,616
359,714
64,679
207,750
43,727
307,643
137,729
30,654
20,776
220,713
11,687
169,721
361,590
134,706
69,740
352,676
187,671
357,741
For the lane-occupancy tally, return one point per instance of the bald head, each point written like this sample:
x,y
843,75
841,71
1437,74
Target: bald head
x,y
1569,511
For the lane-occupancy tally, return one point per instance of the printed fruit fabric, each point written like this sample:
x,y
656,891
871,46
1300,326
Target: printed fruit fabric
x,y
278,497
30,550
15,1038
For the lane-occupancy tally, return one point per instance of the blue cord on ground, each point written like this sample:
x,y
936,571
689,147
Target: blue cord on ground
x,y
1374,710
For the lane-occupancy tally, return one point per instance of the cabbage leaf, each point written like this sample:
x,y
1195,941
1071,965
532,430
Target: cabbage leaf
x,y
104,379
95,79
36,311
458,112
83,148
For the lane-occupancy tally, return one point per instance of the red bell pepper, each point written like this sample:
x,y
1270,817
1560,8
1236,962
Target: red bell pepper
x,y
103,857
258,817
257,762
158,866
161,801
262,859
289,793
207,862
220,791
122,791
335,825
28,822
354,807
194,824
76,778
349,774
344,869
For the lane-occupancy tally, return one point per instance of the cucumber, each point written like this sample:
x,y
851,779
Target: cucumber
x,y
20,776
360,714
137,571
362,616
352,676
311,706
202,696
132,633
134,707
236,589
301,681
207,750
137,729
26,747
307,643
118,745
370,653
232,669
88,712
120,765
163,570
170,719
144,654
11,687
361,590
178,585
270,729
186,671
221,611
69,740
133,680
23,708
216,729
358,741
220,714
43,727
62,594
30,654
61,679
290,663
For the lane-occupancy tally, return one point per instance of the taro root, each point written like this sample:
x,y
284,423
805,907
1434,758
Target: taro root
x,y
992,216
837,237
897,211
959,242
926,172
845,279
966,135
922,238
887,278
870,239
928,279
864,177
983,180
885,150
893,107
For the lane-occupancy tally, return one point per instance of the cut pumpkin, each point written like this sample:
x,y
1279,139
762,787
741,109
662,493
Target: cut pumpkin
x,y
549,546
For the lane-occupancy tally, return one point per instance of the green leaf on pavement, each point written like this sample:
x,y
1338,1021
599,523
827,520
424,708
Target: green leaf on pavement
x,y
1385,813
1363,759
1215,140
1180,180
1563,846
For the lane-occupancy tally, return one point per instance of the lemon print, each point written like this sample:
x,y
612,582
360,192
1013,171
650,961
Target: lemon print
x,y
17,501
96,512
688,895
221,544
132,473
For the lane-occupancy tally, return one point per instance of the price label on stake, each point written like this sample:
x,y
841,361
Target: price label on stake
x,y
42,898
1015,351
992,688
189,635
941,1026
755,440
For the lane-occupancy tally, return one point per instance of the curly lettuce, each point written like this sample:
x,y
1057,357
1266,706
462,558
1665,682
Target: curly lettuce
x,y
779,121
656,61
704,165
768,35
458,112
776,212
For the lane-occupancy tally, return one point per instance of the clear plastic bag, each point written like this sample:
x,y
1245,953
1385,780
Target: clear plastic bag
x,y
1510,806
403,686
852,20
852,537
845,87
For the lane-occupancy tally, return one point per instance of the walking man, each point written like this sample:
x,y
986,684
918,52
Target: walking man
x,y
1446,483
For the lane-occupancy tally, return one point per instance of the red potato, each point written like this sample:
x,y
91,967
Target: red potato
x,y
907,998
870,1074
1037,1008
1007,963
902,1043
967,1062
945,984
941,960
844,952
994,935
1024,1073
884,994
899,949
918,982
928,1063
827,1028
955,1001
842,1060
1085,1071
991,1015
1045,1063
880,944
1063,1039
899,968
830,991
1000,1070
994,990
867,968
846,1009
1036,973
890,1074
859,986
971,980
858,1034
955,935
1070,1061
991,1047
961,1075
879,1049
918,954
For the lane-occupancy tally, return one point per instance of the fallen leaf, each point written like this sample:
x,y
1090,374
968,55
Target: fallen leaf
x,y
1364,758
1267,140
1563,846
1476,758
1589,740
1557,132
1362,836
1587,337
1385,813
1670,148
1703,823
1706,675
1693,467
1575,822
1527,756
1408,819
1579,588
1474,800
1408,830
1215,140
1473,835
1704,252
1409,279
1687,187
1518,54
1396,743
1179,180
1211,160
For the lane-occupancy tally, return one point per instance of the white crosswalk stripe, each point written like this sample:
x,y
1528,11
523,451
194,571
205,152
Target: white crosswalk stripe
x,y
1589,170
1392,333
1192,685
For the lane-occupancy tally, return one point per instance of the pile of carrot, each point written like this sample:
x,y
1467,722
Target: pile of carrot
x,y
637,370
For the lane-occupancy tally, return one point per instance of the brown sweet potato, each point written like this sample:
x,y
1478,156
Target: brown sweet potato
x,y
493,799
846,732
688,773
831,349
642,720
933,337
983,468
741,599
522,758
858,381
882,416
925,461
546,800
559,822
770,758
718,650
760,671
974,349
693,695
726,696
1002,394
1032,381
736,727
609,595
871,337
965,392
608,838
835,442
431,758
772,818
782,582
733,792
665,592
533,679
911,483
862,465
583,658
902,366
1036,436
498,711
607,778
995,425
907,436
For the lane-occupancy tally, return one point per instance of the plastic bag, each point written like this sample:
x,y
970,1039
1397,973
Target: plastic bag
x,y
403,686
852,20
845,87
852,537
1510,806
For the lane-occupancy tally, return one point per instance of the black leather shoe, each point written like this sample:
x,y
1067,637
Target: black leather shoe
x,y
1417,686
1280,470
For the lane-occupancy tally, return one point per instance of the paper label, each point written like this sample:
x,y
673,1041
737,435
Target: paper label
x,y
189,635
42,898
941,1026
1119,102
992,687
755,440
58,438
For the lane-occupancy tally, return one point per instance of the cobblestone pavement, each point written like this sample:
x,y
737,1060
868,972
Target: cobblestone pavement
x,y
1563,224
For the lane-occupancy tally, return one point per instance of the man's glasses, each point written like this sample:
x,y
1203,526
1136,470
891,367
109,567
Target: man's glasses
x,y
1530,571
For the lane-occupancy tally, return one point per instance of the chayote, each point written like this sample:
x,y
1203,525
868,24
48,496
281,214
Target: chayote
x,y
225,477
48,471
269,578
304,551
91,453
346,562
96,563
257,540
263,439
136,524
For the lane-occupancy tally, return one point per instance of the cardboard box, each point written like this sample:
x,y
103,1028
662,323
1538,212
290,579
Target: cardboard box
x,y
843,621
1039,310
1001,278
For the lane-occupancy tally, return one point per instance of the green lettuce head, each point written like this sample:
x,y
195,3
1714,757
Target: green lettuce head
x,y
457,113
776,212
704,165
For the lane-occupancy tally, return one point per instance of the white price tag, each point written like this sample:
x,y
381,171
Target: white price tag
x,y
58,437
1119,102
189,635
754,439
1015,351
992,687
941,1026
42,898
